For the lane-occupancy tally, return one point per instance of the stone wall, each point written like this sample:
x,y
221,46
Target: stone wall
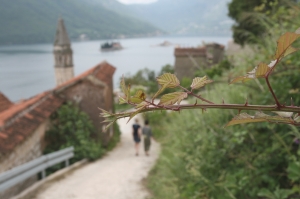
x,y
90,96
63,74
30,149
187,66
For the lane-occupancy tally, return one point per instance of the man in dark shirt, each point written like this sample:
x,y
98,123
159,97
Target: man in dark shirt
x,y
136,135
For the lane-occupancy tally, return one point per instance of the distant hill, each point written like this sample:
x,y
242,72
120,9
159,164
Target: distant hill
x,y
186,17
35,21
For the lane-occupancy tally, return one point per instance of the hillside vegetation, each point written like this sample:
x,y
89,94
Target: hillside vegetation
x,y
192,17
34,21
202,159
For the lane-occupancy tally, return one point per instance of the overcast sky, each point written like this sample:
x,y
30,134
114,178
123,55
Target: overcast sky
x,y
136,1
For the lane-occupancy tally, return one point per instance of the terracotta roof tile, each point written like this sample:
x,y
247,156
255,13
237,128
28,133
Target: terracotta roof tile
x,y
5,103
24,125
103,71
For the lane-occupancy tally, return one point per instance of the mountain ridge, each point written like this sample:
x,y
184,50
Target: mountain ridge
x,y
34,21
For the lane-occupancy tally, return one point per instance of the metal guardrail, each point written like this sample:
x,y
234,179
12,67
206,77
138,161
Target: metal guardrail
x,y
20,173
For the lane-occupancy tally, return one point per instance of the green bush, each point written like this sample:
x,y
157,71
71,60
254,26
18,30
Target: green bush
x,y
201,159
72,127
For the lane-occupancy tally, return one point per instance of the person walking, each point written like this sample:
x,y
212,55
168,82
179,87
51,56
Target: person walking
x,y
147,133
136,135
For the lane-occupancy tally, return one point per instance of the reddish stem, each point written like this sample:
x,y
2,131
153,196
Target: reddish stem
x,y
197,96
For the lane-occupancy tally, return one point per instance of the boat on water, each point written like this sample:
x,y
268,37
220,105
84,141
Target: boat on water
x,y
111,46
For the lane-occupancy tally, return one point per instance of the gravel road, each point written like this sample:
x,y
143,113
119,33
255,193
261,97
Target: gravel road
x,y
118,175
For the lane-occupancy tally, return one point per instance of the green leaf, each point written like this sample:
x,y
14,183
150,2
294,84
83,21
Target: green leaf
x,y
161,89
108,125
240,79
261,70
123,86
284,42
258,72
138,97
125,90
122,100
200,82
290,50
139,108
168,79
245,118
259,117
284,114
172,98
294,171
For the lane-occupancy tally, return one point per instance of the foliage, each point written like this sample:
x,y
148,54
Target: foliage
x,y
252,18
283,113
72,127
34,21
115,139
146,78
201,159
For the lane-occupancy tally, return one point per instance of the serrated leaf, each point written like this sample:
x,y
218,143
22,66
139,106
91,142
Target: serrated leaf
x,y
139,108
122,100
105,113
140,94
258,72
168,79
284,114
240,79
259,117
138,97
284,42
297,119
161,89
135,100
141,105
200,82
290,50
123,85
172,98
245,118
261,70
107,126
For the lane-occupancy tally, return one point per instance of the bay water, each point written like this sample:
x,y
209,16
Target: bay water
x,y
26,70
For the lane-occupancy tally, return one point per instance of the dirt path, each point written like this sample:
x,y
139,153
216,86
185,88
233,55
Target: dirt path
x,y
118,175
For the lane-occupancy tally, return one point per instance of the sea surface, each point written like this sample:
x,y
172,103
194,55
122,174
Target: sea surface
x,y
26,70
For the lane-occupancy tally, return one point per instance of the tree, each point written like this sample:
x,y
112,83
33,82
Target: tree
x,y
251,18
72,127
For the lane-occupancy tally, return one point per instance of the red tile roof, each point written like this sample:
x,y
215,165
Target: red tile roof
x,y
103,71
18,121
5,103
32,113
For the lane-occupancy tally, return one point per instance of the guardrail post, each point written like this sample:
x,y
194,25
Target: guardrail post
x,y
67,163
43,174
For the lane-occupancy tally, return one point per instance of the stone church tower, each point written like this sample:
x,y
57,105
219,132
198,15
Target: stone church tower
x,y
62,55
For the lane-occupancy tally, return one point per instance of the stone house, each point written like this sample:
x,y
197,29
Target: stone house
x,y
23,124
189,60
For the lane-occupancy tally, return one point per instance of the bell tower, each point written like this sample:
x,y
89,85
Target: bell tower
x,y
62,51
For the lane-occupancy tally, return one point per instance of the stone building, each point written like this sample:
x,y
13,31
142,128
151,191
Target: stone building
x,y
62,51
23,124
189,60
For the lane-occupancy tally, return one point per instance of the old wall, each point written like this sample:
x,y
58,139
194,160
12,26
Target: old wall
x,y
29,150
89,97
187,66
